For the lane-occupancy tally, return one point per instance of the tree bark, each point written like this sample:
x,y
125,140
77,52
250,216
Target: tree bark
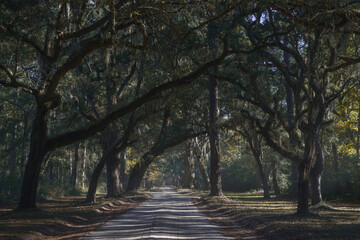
x,y
35,158
200,160
294,180
123,176
73,177
255,142
291,123
114,186
304,172
137,174
316,173
91,194
24,146
358,134
274,179
215,168
113,180
189,174
264,179
257,153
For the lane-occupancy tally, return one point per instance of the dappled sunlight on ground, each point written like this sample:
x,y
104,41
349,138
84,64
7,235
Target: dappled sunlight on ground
x,y
168,215
275,218
62,218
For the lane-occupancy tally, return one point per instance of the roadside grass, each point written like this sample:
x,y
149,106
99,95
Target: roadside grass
x,y
65,217
275,218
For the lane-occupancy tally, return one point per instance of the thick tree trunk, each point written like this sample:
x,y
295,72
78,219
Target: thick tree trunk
x,y
293,191
255,142
214,112
303,191
264,180
137,174
189,174
113,181
294,180
274,180
201,164
114,186
358,134
148,182
316,173
256,148
304,172
35,158
215,169
91,194
24,146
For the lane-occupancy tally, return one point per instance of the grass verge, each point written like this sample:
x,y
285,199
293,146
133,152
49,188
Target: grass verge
x,y
275,218
66,217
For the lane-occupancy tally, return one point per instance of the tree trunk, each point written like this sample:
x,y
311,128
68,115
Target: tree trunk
x,y
137,174
264,177
294,180
91,194
189,174
304,172
73,177
111,153
264,180
35,158
255,142
24,146
113,181
316,173
274,179
358,134
123,176
114,187
201,164
293,191
303,191
256,148
215,169
148,182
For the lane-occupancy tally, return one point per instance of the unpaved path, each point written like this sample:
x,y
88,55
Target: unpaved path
x,y
168,215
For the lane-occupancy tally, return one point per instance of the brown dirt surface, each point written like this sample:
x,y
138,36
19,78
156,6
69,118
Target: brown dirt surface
x,y
64,218
249,216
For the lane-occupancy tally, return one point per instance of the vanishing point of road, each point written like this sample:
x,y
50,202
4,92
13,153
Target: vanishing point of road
x,y
168,215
